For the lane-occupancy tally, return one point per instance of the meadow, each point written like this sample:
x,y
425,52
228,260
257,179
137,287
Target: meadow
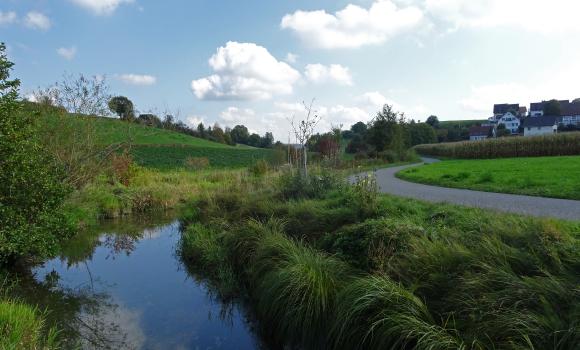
x,y
563,144
556,177
326,265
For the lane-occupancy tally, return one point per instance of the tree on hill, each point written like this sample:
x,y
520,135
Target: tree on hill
x,y
240,134
267,140
201,130
32,187
553,107
123,107
218,134
359,128
433,121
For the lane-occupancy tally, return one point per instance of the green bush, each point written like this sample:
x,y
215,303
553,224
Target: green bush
x,y
32,188
318,183
259,168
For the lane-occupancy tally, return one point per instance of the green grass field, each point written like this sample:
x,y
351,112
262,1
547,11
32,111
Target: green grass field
x,y
151,147
557,177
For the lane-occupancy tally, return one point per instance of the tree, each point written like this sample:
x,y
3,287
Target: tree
x,y
254,140
218,134
386,130
433,121
421,133
359,128
303,130
240,134
552,107
168,121
123,107
201,130
267,140
32,189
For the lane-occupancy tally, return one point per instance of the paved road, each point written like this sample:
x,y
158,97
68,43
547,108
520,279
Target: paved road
x,y
527,205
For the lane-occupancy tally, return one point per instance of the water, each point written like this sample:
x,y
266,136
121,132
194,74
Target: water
x,y
123,287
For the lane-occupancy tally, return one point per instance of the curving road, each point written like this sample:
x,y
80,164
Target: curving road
x,y
526,205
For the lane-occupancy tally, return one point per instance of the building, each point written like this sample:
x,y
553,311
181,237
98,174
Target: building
x,y
541,125
571,114
537,108
511,122
501,109
481,132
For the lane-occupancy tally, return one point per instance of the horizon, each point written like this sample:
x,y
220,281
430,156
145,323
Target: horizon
x,y
255,62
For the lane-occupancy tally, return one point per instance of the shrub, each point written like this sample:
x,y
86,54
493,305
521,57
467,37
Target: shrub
x,y
122,168
196,163
259,168
293,185
363,194
389,156
32,185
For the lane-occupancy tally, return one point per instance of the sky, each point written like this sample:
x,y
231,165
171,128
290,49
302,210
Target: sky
x,y
255,62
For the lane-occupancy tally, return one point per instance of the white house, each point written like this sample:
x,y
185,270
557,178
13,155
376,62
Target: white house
x,y
511,122
571,114
541,125
483,132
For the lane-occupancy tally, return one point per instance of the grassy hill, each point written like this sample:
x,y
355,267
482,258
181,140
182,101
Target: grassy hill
x,y
151,147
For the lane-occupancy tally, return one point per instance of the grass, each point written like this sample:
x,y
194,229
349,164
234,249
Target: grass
x,y
557,177
167,157
401,274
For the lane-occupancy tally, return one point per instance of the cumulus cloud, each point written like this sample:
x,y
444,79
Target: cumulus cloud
x,y
37,20
101,7
8,17
291,58
353,26
194,120
535,16
138,79
245,71
67,53
319,73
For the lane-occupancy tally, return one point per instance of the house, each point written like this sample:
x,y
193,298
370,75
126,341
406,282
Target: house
x,y
571,114
511,122
537,108
481,132
503,108
541,125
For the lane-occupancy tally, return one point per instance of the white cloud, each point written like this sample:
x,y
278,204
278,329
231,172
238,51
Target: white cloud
x,y
245,71
101,7
194,120
291,58
8,17
531,15
37,20
318,73
67,53
138,79
353,26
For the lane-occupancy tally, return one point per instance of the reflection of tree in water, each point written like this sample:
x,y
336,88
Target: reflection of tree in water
x,y
86,318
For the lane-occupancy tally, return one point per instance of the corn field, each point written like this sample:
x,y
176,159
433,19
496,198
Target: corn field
x,y
565,144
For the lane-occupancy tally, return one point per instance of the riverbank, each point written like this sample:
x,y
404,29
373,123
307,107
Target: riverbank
x,y
331,266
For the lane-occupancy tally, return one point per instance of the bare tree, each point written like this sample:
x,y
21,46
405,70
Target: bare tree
x,y
303,130
77,94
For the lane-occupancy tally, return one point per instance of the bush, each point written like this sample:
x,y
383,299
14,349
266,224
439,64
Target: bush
x,y
318,183
122,168
32,185
260,168
196,163
389,156
508,147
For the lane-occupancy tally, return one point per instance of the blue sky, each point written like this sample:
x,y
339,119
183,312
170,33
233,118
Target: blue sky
x,y
253,62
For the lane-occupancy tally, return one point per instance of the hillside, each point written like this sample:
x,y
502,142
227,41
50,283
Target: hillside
x,y
151,147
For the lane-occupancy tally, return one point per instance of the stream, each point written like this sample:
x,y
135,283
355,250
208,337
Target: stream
x,y
123,286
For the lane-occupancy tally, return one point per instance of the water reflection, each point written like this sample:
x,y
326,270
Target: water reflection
x,y
122,287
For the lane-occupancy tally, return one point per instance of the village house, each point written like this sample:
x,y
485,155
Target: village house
x,y
510,121
537,108
481,132
571,114
541,125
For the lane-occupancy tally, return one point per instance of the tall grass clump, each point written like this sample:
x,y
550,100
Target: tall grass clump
x,y
564,144
375,312
22,328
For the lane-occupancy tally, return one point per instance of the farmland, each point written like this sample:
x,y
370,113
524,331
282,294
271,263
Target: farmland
x,y
535,176
506,147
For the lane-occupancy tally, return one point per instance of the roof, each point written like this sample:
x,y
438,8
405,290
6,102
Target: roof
x,y
503,108
545,120
479,130
539,106
523,110
571,109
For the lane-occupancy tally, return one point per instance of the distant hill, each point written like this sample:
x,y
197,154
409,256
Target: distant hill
x,y
150,146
